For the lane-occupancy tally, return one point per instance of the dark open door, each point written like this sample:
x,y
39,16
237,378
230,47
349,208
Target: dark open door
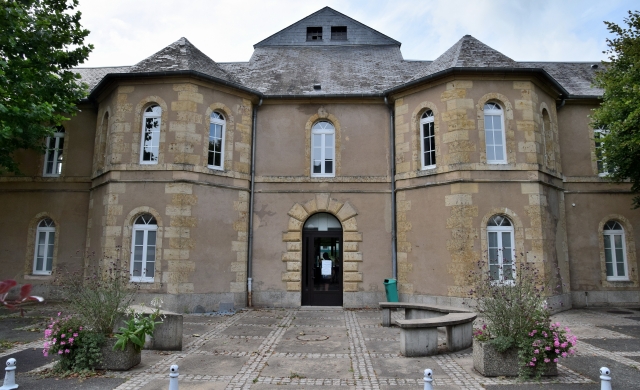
x,y
322,267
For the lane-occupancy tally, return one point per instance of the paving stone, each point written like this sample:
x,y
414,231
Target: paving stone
x,y
547,386
27,360
33,382
264,386
304,321
234,345
335,343
259,320
383,346
184,385
614,345
9,329
630,330
380,332
334,368
622,376
248,330
402,367
197,364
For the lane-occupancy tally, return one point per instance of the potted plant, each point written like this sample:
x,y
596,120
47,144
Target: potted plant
x,y
518,338
99,298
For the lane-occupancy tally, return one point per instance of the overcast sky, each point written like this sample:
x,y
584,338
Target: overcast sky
x,y
125,32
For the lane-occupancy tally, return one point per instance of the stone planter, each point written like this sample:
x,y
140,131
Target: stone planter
x,y
489,362
118,360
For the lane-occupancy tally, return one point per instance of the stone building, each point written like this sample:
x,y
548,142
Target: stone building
x,y
320,167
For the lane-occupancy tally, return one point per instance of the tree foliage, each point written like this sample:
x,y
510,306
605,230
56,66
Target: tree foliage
x,y
620,108
40,42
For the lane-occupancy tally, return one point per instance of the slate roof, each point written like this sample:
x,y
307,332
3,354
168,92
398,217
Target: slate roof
x,y
468,52
92,76
575,77
327,17
181,55
339,70
280,67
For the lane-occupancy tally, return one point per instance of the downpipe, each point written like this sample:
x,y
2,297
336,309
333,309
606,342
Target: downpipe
x,y
251,191
392,153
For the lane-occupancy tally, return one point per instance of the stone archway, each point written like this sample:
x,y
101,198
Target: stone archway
x,y
346,214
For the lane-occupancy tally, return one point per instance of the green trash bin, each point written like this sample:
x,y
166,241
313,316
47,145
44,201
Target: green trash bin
x,y
391,288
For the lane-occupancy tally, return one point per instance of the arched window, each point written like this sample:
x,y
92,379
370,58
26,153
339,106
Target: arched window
x,y
143,249
45,243
501,249
494,134
150,145
323,149
217,126
615,253
53,154
428,137
598,135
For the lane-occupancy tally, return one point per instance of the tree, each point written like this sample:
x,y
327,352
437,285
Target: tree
x,y
40,42
619,112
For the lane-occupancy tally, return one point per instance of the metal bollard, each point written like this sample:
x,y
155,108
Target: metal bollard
x,y
10,375
605,379
428,378
173,377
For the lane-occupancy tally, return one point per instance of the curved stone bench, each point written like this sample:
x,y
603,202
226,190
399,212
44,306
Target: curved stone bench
x,y
419,337
416,311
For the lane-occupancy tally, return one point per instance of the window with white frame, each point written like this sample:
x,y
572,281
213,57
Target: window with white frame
x,y
494,134
150,145
53,153
45,243
501,249
615,253
323,149
598,135
428,137
216,141
143,248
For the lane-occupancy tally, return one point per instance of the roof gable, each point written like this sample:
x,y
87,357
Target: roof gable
x,y
357,33
181,55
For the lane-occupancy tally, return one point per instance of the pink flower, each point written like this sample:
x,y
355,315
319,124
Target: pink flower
x,y
60,352
54,340
45,353
556,343
544,334
547,360
532,364
47,333
71,340
46,344
484,326
62,335
557,351
547,348
59,314
75,335
80,328
534,331
66,351
533,359
555,360
564,354
537,351
564,345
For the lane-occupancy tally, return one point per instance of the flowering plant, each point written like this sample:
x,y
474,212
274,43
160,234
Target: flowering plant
x,y
546,343
78,347
482,334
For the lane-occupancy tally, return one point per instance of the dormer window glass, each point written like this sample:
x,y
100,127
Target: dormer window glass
x,y
339,33
314,33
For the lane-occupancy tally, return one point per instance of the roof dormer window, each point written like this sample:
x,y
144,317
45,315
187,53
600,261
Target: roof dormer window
x,y
339,33
314,33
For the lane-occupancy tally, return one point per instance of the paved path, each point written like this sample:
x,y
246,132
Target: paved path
x,y
344,349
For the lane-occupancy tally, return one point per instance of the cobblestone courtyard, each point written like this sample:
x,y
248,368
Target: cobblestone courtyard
x,y
342,349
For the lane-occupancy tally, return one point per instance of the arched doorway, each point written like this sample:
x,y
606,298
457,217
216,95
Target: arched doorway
x,y
322,261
